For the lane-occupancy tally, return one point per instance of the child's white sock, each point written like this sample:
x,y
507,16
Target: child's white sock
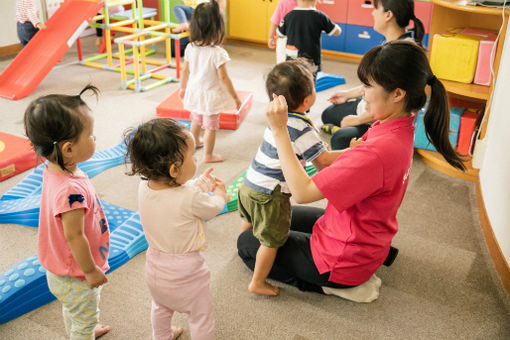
x,y
366,292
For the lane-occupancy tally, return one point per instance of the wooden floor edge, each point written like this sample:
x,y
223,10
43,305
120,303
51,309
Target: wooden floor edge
x,y
9,49
500,262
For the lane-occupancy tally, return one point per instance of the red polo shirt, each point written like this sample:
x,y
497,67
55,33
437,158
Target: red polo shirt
x,y
364,188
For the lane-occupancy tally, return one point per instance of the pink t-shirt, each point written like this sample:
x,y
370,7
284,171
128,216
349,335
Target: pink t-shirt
x,y
364,188
283,7
62,193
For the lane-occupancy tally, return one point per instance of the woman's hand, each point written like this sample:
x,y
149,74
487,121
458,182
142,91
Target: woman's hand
x,y
350,120
277,112
340,97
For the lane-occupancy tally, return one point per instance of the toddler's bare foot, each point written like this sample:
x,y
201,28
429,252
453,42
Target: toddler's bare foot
x,y
199,144
214,158
177,331
101,330
263,289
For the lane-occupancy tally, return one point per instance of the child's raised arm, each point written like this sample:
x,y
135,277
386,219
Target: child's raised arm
x,y
225,79
72,222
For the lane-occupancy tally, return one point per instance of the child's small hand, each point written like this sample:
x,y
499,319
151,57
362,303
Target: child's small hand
x,y
271,42
41,26
277,112
96,277
207,182
221,189
355,141
182,92
239,103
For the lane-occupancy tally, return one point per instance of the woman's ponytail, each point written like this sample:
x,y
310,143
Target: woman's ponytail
x,y
418,30
437,123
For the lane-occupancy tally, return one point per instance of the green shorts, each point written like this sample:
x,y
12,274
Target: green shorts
x,y
269,214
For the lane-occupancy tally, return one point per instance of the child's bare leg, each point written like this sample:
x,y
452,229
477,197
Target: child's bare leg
x,y
101,330
209,139
264,263
245,226
195,131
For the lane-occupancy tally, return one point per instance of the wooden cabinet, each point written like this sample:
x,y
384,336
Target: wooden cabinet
x,y
449,14
250,19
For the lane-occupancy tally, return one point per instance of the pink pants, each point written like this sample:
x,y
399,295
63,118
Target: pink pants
x,y
206,122
179,282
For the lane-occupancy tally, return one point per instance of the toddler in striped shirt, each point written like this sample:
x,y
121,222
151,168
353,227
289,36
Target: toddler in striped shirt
x,y
264,198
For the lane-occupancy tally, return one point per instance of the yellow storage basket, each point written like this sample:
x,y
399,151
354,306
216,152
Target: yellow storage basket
x,y
454,56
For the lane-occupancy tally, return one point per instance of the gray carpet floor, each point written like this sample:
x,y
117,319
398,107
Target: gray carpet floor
x,y
443,284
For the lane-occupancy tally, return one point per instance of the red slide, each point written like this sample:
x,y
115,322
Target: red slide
x,y
46,48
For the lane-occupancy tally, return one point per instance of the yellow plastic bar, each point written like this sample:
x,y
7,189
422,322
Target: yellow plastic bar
x,y
92,64
98,17
151,22
152,41
135,62
159,76
107,35
142,54
124,29
168,46
122,57
154,62
112,3
122,23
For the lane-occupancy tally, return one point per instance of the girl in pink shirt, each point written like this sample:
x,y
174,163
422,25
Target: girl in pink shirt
x,y
173,208
338,251
73,237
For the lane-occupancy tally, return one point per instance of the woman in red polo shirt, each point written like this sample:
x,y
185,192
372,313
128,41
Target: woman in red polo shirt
x,y
338,250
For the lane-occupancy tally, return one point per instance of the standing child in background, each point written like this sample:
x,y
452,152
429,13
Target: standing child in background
x,y
206,88
172,211
264,198
273,41
74,236
303,27
28,22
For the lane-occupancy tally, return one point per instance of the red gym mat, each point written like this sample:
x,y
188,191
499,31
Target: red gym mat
x,y
230,119
16,155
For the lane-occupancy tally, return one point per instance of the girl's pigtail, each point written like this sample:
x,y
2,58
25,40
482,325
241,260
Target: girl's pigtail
x,y
89,87
437,123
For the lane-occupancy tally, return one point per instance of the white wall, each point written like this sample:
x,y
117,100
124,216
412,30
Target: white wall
x,y
8,34
495,169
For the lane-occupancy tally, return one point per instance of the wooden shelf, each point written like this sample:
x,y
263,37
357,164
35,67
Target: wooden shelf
x,y
436,161
467,90
463,5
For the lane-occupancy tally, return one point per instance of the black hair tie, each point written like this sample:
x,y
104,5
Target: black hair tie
x,y
431,80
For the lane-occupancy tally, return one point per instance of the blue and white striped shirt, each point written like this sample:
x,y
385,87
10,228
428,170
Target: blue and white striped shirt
x,y
265,171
